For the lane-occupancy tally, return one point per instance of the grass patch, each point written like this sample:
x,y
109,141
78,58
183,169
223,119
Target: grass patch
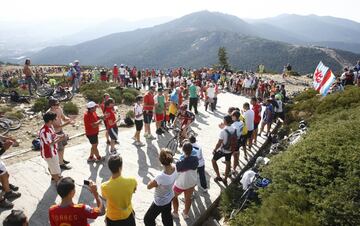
x,y
71,108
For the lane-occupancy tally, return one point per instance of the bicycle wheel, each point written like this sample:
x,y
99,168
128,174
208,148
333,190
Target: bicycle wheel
x,y
190,133
4,128
13,122
173,145
44,90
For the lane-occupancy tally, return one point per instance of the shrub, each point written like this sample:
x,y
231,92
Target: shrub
x,y
93,95
308,94
41,104
70,108
133,91
316,181
129,98
130,114
116,95
17,114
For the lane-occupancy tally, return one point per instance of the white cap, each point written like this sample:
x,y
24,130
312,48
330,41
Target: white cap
x,y
76,61
91,104
71,64
115,65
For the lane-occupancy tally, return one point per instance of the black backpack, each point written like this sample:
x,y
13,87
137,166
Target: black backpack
x,y
232,141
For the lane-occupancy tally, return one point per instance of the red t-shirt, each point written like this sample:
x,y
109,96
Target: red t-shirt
x,y
148,102
73,215
89,119
110,117
116,72
257,113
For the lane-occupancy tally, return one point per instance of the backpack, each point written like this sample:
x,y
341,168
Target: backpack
x,y
36,144
232,141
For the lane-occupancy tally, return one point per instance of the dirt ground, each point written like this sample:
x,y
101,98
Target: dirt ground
x,y
31,125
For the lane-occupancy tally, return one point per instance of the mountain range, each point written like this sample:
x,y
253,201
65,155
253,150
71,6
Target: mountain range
x,y
193,41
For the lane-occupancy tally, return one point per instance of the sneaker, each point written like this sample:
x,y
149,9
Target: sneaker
x,y
113,152
13,187
175,215
185,216
217,179
66,162
205,190
12,195
5,204
65,167
100,159
138,143
151,137
91,159
158,132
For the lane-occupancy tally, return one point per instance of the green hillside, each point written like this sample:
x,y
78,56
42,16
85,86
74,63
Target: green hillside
x,y
315,182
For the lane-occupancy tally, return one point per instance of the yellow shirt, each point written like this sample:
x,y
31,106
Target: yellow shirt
x,y
172,109
118,193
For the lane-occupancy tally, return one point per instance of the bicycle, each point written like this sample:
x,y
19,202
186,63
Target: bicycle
x,y
250,193
9,123
178,140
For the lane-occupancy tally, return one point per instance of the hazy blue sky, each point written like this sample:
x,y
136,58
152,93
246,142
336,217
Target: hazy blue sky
x,y
135,9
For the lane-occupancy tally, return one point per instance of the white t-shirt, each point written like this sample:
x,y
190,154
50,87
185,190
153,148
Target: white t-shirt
x,y
224,137
199,154
138,109
280,108
210,92
238,126
164,192
122,71
249,119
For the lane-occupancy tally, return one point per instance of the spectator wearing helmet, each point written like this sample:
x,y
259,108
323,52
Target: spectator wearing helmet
x,y
59,123
16,218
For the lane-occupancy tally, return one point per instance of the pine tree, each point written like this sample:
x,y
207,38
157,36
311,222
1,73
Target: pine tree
x,y
223,59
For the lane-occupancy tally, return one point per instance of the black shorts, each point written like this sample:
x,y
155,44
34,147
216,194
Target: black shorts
x,y
243,139
249,134
148,117
93,139
113,133
219,154
139,125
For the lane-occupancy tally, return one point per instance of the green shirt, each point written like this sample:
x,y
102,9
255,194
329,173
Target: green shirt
x,y
160,106
193,91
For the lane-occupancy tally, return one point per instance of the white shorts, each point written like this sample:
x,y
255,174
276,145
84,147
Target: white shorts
x,y
53,164
2,168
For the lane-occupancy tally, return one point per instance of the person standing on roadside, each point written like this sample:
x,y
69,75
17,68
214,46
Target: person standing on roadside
x,y
164,194
77,77
256,107
92,123
116,74
49,144
111,126
148,108
69,213
249,116
139,118
159,101
194,97
118,192
29,76
60,122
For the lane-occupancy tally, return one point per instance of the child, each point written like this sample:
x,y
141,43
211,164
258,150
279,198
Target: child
x,y
110,122
48,144
138,110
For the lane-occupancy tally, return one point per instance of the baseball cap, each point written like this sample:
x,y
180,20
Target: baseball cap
x,y
91,104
